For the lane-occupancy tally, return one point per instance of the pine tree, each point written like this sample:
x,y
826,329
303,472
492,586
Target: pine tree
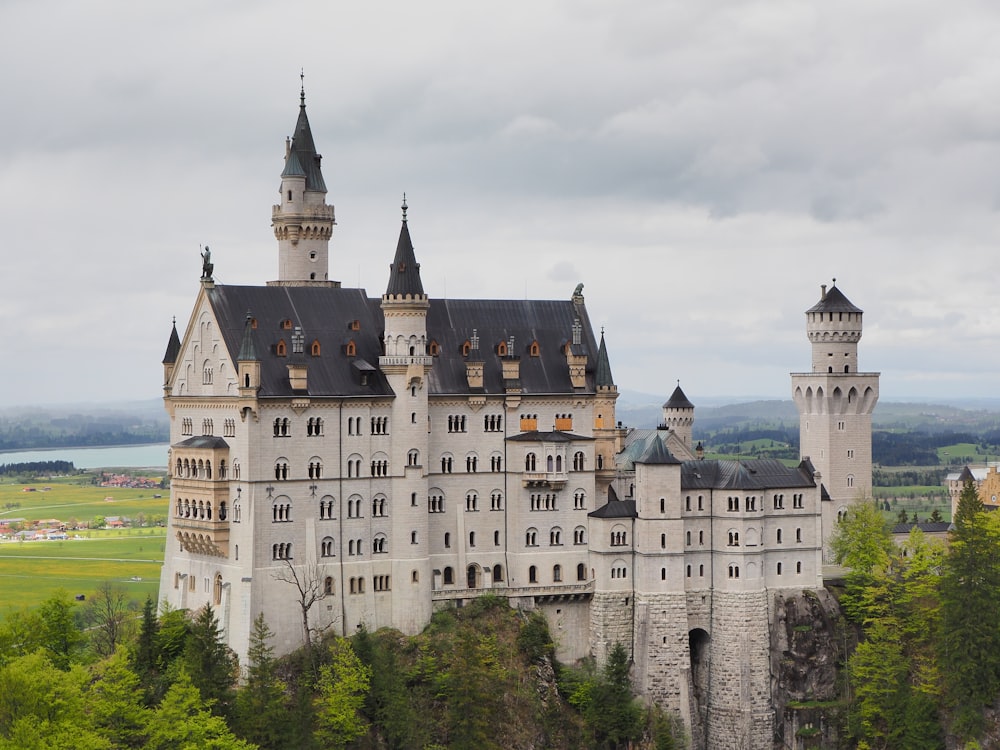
x,y
970,632
342,686
210,663
260,711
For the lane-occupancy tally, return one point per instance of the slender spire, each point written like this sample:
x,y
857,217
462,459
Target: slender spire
x,y
302,157
602,376
173,346
404,272
248,350
302,90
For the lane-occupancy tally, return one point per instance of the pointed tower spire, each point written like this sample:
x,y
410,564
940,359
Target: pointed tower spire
x,y
173,346
303,222
602,375
248,350
404,272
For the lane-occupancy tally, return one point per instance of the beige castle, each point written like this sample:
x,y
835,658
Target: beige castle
x,y
342,461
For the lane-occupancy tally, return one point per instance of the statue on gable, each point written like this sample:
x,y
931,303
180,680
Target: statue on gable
x,y
578,292
206,264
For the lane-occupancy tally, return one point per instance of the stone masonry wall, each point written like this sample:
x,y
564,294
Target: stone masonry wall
x,y
610,622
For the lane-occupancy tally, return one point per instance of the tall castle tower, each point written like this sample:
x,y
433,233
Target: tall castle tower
x,y
406,364
303,222
835,403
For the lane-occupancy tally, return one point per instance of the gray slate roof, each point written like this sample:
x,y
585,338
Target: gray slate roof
x,y
404,273
603,377
203,441
834,301
615,508
325,315
755,474
678,400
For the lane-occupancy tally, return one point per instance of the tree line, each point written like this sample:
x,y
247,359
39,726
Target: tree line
x,y
37,467
103,676
927,666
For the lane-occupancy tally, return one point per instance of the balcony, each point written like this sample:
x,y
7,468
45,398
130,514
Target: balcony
x,y
541,592
203,537
553,479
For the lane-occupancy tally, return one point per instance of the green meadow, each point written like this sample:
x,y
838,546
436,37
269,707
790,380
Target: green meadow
x,y
30,572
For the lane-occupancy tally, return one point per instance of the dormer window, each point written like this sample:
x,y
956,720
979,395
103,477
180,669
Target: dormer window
x,y
351,349
466,348
281,349
535,349
355,325
314,349
286,324
434,349
502,349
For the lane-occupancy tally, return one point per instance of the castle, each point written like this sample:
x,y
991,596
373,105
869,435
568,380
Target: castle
x,y
341,461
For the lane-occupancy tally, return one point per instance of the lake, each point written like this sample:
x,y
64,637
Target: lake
x,y
125,456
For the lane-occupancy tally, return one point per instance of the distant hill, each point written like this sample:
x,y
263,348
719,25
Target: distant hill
x,y
76,425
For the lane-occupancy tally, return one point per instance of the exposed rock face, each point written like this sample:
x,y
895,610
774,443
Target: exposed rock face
x,y
809,640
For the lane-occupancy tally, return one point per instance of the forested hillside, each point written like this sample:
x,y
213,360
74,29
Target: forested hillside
x,y
98,676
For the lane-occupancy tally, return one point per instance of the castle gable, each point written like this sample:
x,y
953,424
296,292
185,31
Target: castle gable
x,y
203,366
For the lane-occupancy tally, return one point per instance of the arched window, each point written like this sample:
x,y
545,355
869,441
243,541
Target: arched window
x,y
556,573
328,586
532,574
217,597
326,547
529,462
449,576
581,572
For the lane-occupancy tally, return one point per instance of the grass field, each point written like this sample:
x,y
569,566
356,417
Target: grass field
x,y
30,572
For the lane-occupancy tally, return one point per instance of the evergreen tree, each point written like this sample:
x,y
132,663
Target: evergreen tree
x,y
145,660
342,686
970,631
182,721
614,714
116,705
210,663
60,636
260,712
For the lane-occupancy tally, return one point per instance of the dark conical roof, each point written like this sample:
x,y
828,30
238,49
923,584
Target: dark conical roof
x,y
966,476
657,453
173,346
302,158
404,272
602,377
248,350
834,300
678,400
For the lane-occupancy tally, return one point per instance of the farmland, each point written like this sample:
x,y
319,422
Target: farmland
x,y
31,571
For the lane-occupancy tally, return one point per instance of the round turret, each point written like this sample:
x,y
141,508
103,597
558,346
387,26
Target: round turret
x,y
678,415
833,325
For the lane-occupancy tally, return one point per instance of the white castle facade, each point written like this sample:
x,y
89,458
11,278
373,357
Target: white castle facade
x,y
391,456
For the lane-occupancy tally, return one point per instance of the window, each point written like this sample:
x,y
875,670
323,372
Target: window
x,y
797,500
579,535
378,506
380,467
326,547
496,462
413,457
206,375
532,574
315,468
557,573
496,538
471,502
687,535
314,349
229,428
314,427
381,583
701,537
663,541
326,508
281,349
581,572
778,536
531,538
447,539
187,426
734,539
555,537
379,545
850,452
579,500
733,504
779,502
282,551
413,537
456,423
354,509
752,503
496,500
850,480
701,501
663,574
734,571
687,503
380,425
472,538
798,535
471,463
798,567
529,462
281,427
281,509
435,502
619,538
328,586
449,576
778,569
446,464
492,423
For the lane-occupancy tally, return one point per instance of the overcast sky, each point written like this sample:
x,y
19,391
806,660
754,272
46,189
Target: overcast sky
x,y
702,167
